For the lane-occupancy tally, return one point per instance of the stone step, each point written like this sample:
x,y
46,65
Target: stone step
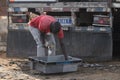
x,y
3,43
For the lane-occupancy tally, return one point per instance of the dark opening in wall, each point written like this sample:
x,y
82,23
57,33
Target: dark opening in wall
x,y
116,32
59,13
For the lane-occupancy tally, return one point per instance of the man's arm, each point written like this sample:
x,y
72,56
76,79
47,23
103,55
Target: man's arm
x,y
63,49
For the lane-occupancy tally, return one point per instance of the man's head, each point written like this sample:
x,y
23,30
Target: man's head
x,y
55,27
33,10
33,13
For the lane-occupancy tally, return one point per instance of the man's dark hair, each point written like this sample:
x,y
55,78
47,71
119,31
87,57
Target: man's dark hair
x,y
33,11
37,13
55,27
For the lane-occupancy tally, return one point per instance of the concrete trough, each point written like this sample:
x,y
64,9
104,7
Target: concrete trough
x,y
54,64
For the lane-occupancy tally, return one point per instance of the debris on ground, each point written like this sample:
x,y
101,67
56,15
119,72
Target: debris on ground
x,y
18,69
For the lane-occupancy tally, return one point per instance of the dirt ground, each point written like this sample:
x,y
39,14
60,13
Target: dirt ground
x,y
18,69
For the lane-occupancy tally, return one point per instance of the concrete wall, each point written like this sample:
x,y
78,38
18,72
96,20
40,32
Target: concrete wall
x,y
93,45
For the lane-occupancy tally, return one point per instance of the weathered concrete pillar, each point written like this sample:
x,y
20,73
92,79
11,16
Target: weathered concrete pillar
x,y
3,32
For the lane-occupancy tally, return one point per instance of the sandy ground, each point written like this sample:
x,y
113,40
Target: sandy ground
x,y
18,69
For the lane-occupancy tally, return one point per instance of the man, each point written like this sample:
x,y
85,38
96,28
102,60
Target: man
x,y
43,28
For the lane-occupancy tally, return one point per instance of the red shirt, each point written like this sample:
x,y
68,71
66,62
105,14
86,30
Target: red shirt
x,y
43,22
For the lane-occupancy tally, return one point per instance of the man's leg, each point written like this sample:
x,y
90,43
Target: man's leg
x,y
52,44
36,35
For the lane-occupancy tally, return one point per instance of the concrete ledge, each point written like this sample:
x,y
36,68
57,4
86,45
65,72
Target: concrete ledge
x,y
2,48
